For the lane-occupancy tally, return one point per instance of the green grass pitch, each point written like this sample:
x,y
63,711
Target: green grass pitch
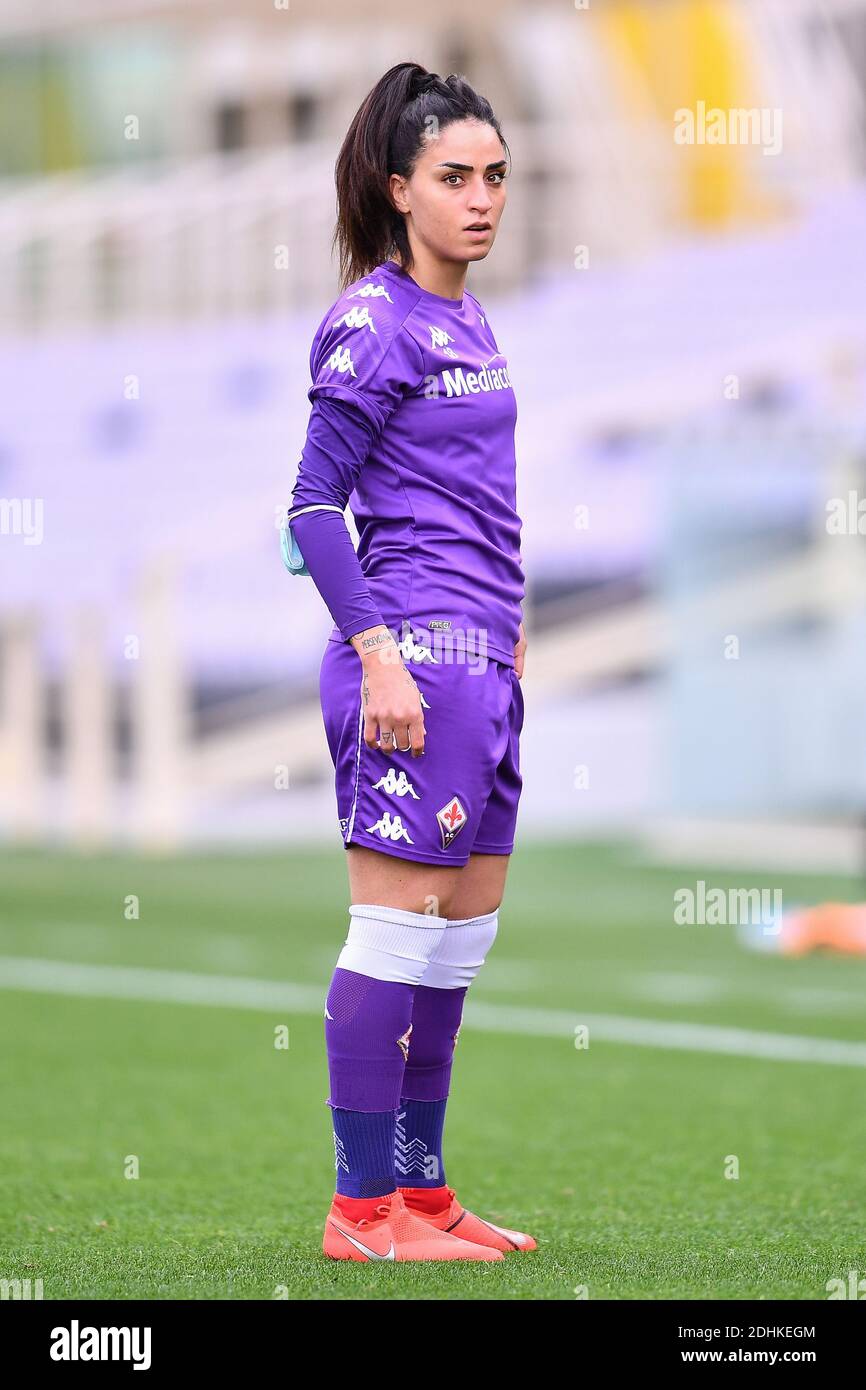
x,y
614,1155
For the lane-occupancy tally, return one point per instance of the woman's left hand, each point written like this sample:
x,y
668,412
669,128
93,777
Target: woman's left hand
x,y
519,651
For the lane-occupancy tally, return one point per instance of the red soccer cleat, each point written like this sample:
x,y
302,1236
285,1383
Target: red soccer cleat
x,y
456,1219
396,1233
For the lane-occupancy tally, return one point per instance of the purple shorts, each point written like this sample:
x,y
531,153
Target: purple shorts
x,y
461,797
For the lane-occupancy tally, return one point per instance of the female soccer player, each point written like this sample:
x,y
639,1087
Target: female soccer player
x,y
413,413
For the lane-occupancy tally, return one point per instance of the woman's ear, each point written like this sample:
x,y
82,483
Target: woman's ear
x,y
397,189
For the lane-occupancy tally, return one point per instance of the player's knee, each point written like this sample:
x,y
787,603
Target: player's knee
x,y
390,943
461,951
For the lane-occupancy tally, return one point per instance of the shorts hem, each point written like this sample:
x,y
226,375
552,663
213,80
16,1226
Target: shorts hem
x,y
420,856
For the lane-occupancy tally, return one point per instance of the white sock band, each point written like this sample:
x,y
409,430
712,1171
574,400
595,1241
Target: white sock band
x,y
389,943
461,952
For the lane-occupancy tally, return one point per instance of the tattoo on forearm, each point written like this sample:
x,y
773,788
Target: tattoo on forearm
x,y
378,639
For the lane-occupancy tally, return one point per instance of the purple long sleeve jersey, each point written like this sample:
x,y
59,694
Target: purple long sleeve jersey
x,y
424,447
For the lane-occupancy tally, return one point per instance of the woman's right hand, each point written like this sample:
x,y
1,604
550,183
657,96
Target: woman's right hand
x,y
393,715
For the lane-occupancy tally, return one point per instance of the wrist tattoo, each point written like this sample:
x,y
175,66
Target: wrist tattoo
x,y
373,643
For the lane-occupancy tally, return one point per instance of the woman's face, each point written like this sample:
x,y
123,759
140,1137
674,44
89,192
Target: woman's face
x,y
459,179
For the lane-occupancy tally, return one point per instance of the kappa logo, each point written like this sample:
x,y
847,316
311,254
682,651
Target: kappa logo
x,y
340,360
391,828
344,821
403,1043
452,819
440,339
412,1156
395,784
358,316
340,1160
372,290
411,650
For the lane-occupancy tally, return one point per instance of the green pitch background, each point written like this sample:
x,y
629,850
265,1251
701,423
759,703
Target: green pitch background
x,y
613,1156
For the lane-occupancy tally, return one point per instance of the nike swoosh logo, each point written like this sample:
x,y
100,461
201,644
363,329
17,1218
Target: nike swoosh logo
x,y
514,1236
365,1249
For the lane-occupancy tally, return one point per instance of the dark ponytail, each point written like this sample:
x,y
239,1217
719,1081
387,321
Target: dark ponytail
x,y
386,137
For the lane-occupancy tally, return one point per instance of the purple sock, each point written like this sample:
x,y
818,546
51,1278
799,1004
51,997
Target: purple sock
x,y
364,1152
436,1016
367,1027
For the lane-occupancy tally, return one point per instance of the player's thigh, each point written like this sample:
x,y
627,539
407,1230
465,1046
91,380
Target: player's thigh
x,y
480,887
470,890
389,881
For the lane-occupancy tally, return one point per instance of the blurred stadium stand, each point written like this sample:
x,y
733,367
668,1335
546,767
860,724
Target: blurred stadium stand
x,y
690,395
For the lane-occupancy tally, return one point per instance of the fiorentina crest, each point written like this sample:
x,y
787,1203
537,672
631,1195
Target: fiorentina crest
x,y
451,818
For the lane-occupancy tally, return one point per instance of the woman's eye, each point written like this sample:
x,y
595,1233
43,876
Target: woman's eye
x,y
497,174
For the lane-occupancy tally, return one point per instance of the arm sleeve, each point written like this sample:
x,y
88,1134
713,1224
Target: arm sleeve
x,y
361,366
338,441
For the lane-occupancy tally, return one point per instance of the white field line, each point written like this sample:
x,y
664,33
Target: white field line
x,y
681,988
229,991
